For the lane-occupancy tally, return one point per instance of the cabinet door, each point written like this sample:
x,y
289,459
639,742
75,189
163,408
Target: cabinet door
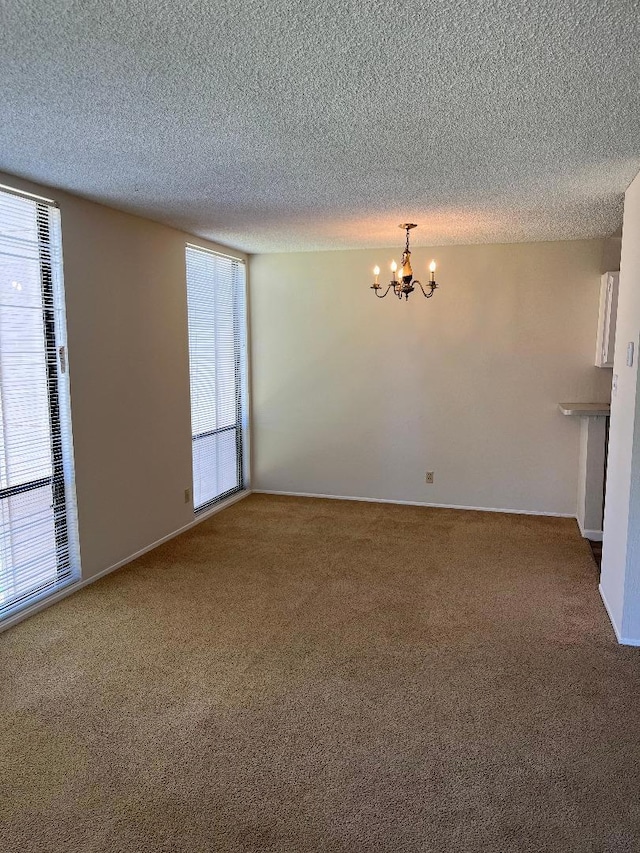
x,y
607,319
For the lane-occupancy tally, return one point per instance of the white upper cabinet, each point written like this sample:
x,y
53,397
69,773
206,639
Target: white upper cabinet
x,y
607,319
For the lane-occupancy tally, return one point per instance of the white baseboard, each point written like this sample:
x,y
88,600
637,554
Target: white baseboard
x,y
624,641
413,503
74,587
594,535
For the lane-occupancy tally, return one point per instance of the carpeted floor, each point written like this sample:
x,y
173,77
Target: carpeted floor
x,y
300,675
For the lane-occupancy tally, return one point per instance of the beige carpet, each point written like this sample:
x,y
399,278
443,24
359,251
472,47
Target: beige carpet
x,y
302,675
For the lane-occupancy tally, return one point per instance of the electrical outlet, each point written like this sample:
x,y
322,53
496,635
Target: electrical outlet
x,y
187,495
428,477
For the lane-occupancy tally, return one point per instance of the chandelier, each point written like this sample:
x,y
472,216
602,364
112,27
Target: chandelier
x,y
406,284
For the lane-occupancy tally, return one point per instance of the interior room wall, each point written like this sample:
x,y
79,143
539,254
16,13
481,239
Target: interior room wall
x,y
129,375
620,578
357,396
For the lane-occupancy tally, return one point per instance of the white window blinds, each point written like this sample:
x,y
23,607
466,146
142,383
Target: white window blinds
x,y
215,296
38,530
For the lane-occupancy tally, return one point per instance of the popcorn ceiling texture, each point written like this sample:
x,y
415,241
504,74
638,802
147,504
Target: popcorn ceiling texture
x,y
277,125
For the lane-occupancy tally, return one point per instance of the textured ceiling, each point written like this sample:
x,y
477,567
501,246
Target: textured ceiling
x,y
276,125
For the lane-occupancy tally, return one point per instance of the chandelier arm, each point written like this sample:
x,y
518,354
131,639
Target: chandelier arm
x,y
376,289
432,286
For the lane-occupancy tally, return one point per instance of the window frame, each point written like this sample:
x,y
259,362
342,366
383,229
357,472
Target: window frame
x,y
241,361
62,478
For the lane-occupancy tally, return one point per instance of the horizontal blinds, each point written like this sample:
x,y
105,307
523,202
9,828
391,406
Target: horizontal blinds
x,y
38,535
215,295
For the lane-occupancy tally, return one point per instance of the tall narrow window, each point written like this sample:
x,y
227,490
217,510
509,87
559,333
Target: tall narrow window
x,y
215,296
38,530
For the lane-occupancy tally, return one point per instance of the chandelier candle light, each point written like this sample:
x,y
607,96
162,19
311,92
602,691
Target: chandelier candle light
x,y
406,284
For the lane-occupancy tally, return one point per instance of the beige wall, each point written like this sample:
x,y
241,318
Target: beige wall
x,y
129,374
356,396
620,579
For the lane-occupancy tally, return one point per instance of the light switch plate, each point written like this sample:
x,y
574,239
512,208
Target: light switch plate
x,y
630,348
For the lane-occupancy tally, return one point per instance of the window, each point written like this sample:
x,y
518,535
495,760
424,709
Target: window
x,y
215,297
38,529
